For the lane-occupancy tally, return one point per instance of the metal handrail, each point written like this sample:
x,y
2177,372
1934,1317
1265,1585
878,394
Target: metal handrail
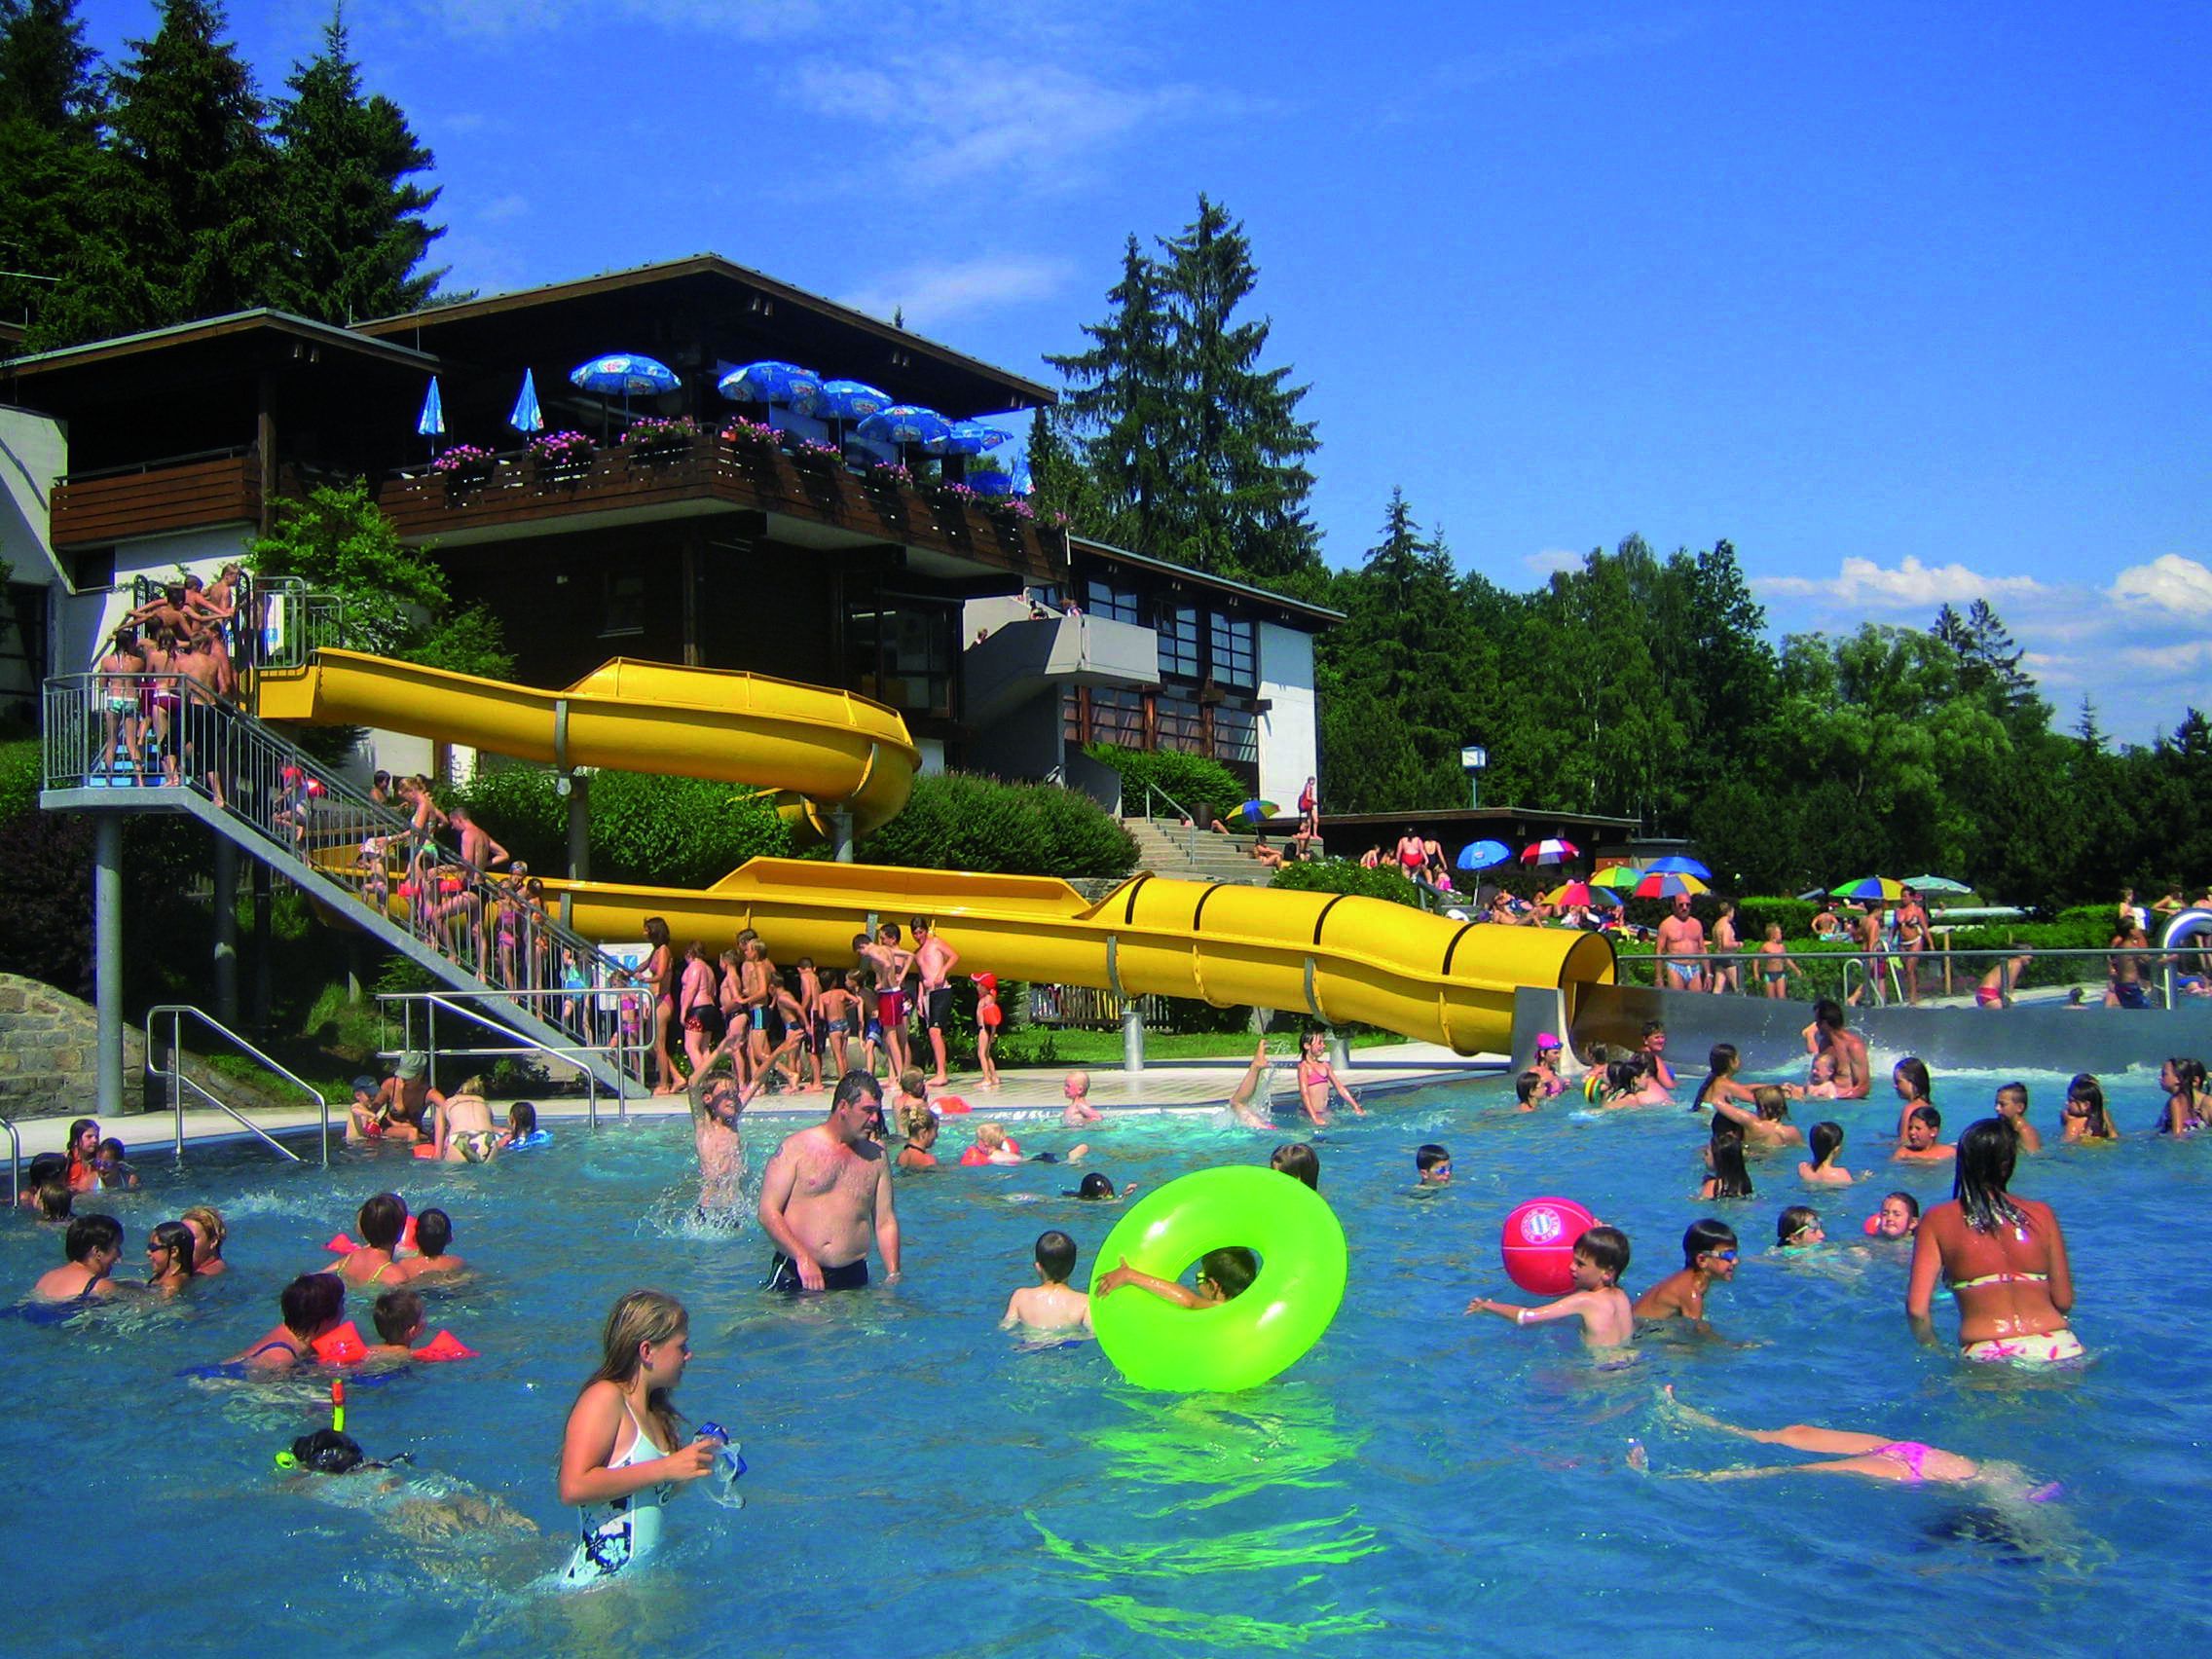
x,y
483,924
179,1081
617,1051
1152,789
1853,962
14,1160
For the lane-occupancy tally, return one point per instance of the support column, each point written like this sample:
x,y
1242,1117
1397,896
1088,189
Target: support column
x,y
263,892
841,833
227,931
107,959
579,826
1340,1052
1132,1039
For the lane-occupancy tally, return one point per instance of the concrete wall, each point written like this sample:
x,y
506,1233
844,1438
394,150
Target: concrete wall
x,y
1290,730
1023,743
85,620
33,452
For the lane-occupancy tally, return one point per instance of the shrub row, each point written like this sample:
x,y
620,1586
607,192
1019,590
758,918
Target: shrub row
x,y
1204,788
1348,876
659,831
962,822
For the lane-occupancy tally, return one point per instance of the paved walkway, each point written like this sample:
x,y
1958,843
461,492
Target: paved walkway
x,y
1026,1096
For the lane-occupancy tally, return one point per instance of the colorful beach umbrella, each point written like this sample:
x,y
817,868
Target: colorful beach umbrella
x,y
526,416
1581,893
1674,864
770,381
1553,851
1870,887
1621,878
1485,855
1254,810
1668,884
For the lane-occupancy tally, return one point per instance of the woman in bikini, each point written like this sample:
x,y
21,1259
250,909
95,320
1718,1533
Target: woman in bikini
x,y
311,1307
120,684
2005,1258
381,1219
659,975
1317,1076
622,1454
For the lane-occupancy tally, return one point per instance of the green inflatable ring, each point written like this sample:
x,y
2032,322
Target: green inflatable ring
x,y
1237,1343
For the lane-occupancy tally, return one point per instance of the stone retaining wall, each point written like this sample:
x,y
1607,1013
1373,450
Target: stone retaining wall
x,y
49,1067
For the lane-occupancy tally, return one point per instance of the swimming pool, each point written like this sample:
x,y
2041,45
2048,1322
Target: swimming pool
x,y
920,1485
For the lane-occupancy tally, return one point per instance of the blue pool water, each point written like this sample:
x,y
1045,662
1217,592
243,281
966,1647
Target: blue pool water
x,y
1422,1482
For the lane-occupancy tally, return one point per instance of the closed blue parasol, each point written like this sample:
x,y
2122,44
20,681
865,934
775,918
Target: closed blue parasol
x,y
624,374
1485,855
432,420
850,400
772,381
905,424
526,416
1676,864
966,437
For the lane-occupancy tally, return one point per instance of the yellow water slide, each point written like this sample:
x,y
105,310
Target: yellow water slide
x,y
1327,956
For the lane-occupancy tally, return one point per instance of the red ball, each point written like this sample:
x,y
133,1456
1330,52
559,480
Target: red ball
x,y
1537,1244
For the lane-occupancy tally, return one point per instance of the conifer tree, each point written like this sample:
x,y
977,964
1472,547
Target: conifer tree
x,y
353,223
50,109
1118,414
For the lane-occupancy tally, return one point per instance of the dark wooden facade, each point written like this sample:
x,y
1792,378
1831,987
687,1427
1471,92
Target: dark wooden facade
x,y
156,500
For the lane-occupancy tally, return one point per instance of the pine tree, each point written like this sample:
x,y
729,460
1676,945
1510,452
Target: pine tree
x,y
1239,464
49,110
182,224
1116,414
356,227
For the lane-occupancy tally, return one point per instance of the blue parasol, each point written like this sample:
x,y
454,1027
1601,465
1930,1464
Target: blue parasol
x,y
625,374
1676,864
905,424
526,416
432,422
1485,855
850,400
966,437
772,381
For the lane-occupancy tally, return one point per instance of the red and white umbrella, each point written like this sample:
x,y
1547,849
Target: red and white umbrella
x,y
1550,851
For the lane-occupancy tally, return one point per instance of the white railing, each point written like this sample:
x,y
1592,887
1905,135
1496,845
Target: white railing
x,y
176,1014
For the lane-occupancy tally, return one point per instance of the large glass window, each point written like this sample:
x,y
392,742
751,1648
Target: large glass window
x,y
1181,724
1117,717
1235,735
1178,630
902,654
1236,653
1114,603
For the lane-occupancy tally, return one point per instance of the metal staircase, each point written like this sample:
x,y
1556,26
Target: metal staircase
x,y
356,859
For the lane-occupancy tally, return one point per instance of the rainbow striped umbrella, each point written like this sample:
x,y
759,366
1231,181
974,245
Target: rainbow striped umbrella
x,y
1870,887
1668,884
1552,851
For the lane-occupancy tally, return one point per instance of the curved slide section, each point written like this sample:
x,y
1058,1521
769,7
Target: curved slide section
x,y
820,749
1326,956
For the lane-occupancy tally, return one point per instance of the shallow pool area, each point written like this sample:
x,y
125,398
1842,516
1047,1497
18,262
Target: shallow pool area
x,y
922,1483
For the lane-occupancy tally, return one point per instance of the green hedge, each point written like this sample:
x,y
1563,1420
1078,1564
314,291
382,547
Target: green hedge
x,y
1348,875
22,769
659,831
1204,788
962,821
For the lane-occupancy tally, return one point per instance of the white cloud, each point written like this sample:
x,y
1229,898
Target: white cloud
x,y
746,19
1552,559
2170,582
501,209
1910,586
934,294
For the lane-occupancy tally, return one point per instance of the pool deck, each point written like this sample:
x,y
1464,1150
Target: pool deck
x,y
1025,1097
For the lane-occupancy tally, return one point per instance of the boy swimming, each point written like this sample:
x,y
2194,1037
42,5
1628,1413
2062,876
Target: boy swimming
x,y
1601,1257
1223,1275
1052,1303
1709,1256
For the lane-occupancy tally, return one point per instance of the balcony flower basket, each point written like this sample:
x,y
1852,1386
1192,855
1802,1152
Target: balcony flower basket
x,y
1012,510
888,479
654,439
817,459
751,437
561,456
464,465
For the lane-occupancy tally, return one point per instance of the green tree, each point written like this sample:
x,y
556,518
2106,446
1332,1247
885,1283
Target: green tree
x,y
182,224
1118,418
393,597
355,224
50,158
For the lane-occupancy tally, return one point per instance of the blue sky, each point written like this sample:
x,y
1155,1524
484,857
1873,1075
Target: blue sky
x,y
1909,303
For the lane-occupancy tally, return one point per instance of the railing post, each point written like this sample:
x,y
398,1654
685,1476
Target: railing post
x,y
107,960
1132,1039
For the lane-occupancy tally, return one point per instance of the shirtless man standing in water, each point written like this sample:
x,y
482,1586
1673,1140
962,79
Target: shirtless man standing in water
x,y
717,1099
826,1188
1847,1049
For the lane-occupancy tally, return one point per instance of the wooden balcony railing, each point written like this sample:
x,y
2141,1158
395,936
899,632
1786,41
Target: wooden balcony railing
x,y
708,474
157,500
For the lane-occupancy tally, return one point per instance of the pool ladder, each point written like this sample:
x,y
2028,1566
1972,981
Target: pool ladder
x,y
176,1014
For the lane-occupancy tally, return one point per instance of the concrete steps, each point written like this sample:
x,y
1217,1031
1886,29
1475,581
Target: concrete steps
x,y
1191,854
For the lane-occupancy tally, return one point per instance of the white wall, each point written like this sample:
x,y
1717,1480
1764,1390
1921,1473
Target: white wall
x,y
1290,730
33,452
87,619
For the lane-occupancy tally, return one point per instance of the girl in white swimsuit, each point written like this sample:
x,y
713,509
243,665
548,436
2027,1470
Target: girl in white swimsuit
x,y
616,1465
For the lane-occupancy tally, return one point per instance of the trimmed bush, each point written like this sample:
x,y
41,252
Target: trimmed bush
x,y
22,769
967,823
659,831
1349,875
1204,788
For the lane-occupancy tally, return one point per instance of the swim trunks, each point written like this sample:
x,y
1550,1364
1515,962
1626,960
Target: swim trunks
x,y
1688,972
937,1007
783,1275
2129,993
890,1008
476,1145
2047,1347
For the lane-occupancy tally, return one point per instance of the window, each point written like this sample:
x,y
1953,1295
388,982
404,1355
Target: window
x,y
1235,655
625,607
1235,735
1181,724
903,655
1117,717
1114,604
1179,643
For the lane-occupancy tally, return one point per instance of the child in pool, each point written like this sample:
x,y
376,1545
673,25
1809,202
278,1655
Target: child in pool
x,y
381,1219
2012,1107
1654,1050
310,1307
1924,1139
522,1123
992,1145
2086,1118
1546,1065
1317,1076
1720,1083
1820,1082
433,1237
399,1323
109,1165
1766,1125
1799,1228
1099,1188
1708,1257
919,1126
1898,1217
1909,1078
1828,1147
1297,1160
1432,1165
1050,1303
1725,1151
1527,1090
1601,1257
1224,1275
2182,1079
